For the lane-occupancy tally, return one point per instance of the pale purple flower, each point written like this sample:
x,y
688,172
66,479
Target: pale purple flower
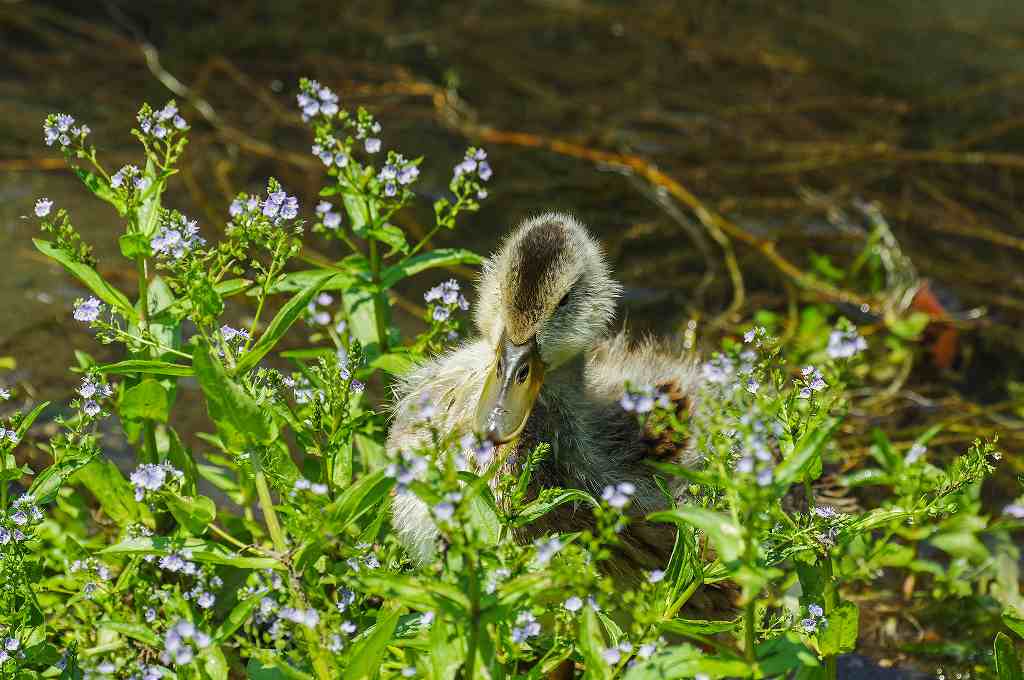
x,y
1015,510
573,604
332,220
547,549
526,627
88,310
43,206
323,207
845,343
915,453
372,145
618,495
655,576
484,170
205,600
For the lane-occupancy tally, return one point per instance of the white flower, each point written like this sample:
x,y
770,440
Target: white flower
x,y
655,576
43,206
573,604
915,453
618,496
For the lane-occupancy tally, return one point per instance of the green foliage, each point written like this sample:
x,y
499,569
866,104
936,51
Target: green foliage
x,y
301,574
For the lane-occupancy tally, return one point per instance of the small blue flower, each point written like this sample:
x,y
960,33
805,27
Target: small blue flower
x,y
372,145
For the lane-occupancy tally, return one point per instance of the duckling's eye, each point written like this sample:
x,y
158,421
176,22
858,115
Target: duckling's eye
x,y
523,373
564,301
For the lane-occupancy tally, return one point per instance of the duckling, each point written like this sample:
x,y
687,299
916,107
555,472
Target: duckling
x,y
548,368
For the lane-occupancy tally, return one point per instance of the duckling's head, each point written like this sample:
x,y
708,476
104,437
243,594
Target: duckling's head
x,y
545,297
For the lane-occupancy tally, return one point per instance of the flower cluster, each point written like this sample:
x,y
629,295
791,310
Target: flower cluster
x,y
618,495
177,236
408,468
304,485
612,655
129,177
149,478
815,619
756,457
444,299
397,172
160,124
316,312
809,382
526,627
88,310
279,206
17,522
316,100
91,391
644,399
11,646
329,217
178,643
61,128
844,342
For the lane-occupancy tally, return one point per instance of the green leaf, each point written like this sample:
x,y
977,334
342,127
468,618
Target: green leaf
x,y
806,454
215,666
417,593
548,500
236,618
27,420
358,215
441,257
482,514
391,236
688,627
368,653
1014,622
173,451
135,631
686,661
395,363
840,634
46,485
726,536
778,656
194,513
280,324
133,245
359,498
362,318
101,188
149,211
146,366
115,495
297,281
1007,662
591,644
90,277
202,551
241,422
147,400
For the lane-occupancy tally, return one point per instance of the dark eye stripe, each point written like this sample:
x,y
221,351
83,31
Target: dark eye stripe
x,y
564,301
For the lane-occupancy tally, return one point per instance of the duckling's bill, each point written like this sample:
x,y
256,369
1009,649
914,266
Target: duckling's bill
x,y
512,385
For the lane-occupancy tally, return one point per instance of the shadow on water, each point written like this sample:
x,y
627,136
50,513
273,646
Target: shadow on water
x,y
771,115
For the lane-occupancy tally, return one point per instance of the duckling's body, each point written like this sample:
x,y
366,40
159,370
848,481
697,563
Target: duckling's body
x,y
548,292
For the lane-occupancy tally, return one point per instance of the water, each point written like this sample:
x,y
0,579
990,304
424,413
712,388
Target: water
x,y
749,105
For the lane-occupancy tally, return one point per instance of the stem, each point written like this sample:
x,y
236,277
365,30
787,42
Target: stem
x,y
379,299
748,630
149,428
831,602
267,505
423,241
474,617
